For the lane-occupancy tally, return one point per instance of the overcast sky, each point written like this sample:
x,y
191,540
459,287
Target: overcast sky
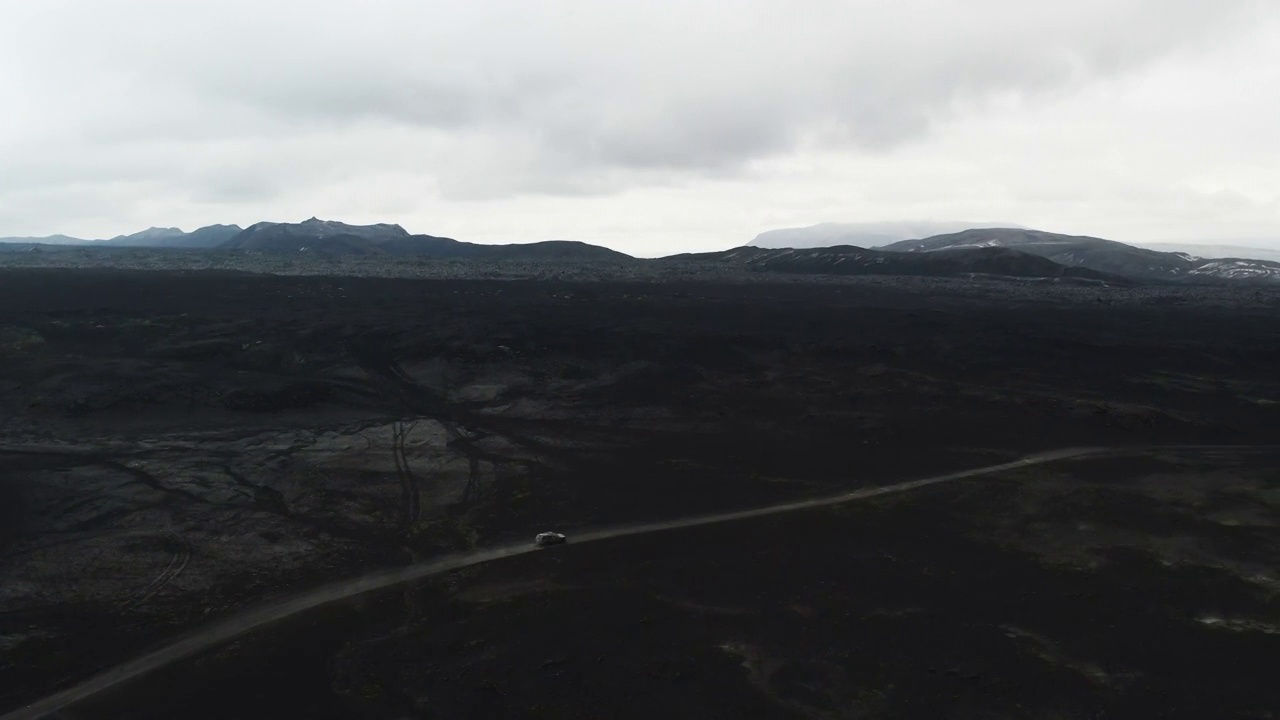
x,y
651,127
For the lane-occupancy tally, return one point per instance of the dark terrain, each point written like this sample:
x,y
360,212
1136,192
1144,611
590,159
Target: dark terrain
x,y
852,260
181,446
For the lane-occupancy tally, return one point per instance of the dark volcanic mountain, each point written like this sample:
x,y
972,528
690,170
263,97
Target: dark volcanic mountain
x,y
337,238
851,260
1107,256
317,235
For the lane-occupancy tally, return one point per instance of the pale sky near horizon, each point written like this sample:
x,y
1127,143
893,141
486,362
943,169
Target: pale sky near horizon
x,y
653,127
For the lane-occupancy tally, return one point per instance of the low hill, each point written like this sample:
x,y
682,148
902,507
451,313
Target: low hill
x,y
548,250
851,260
46,240
1106,256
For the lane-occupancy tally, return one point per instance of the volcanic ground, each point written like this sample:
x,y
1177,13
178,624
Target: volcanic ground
x,y
183,449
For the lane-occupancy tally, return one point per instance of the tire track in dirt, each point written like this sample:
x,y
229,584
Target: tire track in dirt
x,y
411,501
177,563
384,369
252,620
425,402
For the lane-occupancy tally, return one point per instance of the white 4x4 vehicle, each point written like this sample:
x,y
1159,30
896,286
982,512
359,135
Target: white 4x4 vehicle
x,y
548,538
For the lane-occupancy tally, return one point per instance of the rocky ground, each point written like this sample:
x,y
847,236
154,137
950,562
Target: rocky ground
x,y
179,446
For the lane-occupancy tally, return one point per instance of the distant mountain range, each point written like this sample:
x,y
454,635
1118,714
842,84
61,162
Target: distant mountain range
x,y
867,235
331,238
1005,251
206,237
1107,256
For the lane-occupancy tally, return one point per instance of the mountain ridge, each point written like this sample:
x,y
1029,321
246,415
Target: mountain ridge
x,y
1009,251
866,234
208,236
332,237
1107,256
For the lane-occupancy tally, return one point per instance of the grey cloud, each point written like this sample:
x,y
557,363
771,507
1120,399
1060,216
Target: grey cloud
x,y
882,70
220,101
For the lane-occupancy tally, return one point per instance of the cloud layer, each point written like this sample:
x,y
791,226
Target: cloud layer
x,y
160,112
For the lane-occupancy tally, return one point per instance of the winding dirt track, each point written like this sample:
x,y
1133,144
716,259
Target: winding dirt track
x,y
254,619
